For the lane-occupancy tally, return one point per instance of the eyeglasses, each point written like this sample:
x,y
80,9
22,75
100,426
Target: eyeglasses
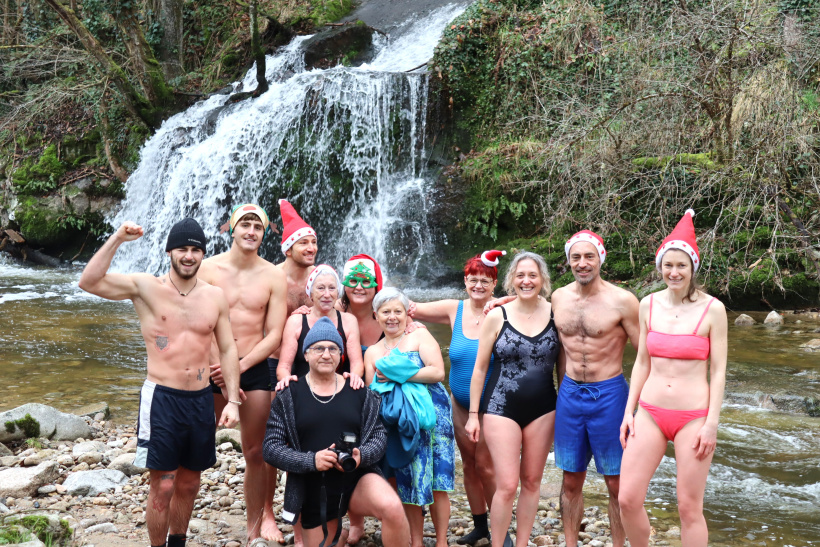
x,y
320,350
365,282
472,281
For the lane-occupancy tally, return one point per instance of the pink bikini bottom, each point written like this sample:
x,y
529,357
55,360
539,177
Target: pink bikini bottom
x,y
670,421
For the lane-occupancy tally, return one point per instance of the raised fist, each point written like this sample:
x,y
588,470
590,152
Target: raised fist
x,y
129,231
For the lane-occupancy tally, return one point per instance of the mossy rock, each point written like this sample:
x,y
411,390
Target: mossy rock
x,y
28,425
76,150
49,529
39,176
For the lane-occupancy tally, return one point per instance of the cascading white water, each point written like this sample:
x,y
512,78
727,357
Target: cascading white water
x,y
344,145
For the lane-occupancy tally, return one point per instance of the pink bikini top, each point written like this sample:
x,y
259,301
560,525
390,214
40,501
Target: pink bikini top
x,y
678,346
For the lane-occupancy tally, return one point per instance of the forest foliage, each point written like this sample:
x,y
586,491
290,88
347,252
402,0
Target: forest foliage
x,y
618,116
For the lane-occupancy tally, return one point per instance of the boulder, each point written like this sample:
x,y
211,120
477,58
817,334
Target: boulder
x,y
93,409
232,436
86,447
125,464
811,345
744,320
22,482
351,45
773,319
46,526
93,483
51,423
4,450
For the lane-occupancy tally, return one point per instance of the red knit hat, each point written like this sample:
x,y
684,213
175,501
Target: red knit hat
x,y
683,239
491,258
294,228
590,237
368,262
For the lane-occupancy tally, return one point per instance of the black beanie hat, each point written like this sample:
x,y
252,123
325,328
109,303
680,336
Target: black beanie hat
x,y
186,232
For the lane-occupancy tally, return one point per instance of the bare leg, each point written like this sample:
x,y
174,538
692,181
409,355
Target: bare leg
x,y
374,496
157,513
691,485
440,513
479,481
642,456
268,529
504,440
254,414
416,520
313,537
186,488
536,444
572,504
613,484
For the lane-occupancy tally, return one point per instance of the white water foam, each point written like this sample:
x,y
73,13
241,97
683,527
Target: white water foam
x,y
345,145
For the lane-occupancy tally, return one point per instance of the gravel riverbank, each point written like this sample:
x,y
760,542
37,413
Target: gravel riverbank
x,y
93,485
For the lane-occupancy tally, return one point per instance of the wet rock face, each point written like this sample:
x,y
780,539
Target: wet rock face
x,y
350,45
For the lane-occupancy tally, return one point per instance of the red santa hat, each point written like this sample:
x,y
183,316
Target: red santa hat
x,y
367,261
683,239
491,258
294,228
590,237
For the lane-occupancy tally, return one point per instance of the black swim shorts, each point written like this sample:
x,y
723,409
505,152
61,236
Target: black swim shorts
x,y
176,428
254,379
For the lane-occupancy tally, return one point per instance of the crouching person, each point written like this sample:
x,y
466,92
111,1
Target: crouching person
x,y
329,438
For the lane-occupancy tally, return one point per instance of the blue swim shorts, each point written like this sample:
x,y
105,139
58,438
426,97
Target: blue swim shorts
x,y
588,420
176,428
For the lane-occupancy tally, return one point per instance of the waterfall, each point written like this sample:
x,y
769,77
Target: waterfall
x,y
345,145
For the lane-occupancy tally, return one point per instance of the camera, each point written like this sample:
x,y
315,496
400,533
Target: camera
x,y
344,451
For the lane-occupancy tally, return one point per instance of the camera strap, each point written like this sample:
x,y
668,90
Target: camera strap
x,y
323,514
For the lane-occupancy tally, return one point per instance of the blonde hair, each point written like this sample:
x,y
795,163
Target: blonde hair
x,y
546,288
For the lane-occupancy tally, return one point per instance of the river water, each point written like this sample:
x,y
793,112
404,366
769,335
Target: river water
x,y
63,347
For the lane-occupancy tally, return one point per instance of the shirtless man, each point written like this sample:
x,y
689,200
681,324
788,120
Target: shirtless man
x,y
255,290
594,320
179,318
299,247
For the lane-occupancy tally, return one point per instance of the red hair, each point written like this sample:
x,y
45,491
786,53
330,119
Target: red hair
x,y
475,266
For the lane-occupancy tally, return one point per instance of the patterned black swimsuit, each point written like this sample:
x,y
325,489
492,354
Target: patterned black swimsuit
x,y
521,386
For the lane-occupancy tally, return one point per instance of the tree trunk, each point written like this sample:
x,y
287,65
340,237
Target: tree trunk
x,y
168,13
136,104
147,69
258,53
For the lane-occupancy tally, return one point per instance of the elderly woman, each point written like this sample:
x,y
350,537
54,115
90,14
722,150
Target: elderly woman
x,y
307,421
519,405
410,364
683,337
323,287
465,318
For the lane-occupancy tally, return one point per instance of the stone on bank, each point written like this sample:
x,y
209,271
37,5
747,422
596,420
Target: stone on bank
x,y
53,424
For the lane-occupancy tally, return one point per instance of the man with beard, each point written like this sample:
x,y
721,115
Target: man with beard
x,y
594,320
256,294
299,248
179,315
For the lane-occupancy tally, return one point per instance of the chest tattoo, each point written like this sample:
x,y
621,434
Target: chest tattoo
x,y
162,343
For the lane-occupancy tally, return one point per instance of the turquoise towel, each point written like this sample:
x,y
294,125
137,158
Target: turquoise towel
x,y
399,368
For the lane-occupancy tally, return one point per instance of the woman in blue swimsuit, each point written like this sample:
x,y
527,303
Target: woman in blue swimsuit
x,y
465,318
519,405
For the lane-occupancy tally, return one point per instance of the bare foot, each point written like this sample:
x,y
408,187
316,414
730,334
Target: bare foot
x,y
356,532
270,531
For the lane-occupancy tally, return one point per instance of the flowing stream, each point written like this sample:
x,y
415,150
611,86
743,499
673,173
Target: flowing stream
x,y
65,348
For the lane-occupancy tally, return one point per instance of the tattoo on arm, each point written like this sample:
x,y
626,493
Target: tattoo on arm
x,y
199,375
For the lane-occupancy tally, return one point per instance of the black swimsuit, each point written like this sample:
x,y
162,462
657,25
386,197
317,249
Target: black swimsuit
x,y
521,386
300,365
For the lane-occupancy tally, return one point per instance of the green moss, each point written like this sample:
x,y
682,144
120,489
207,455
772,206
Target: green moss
x,y
11,535
41,176
9,427
703,160
29,426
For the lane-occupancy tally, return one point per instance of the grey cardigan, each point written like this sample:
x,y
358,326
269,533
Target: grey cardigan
x,y
281,448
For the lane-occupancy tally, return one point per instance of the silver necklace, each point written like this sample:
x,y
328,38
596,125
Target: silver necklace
x,y
179,291
477,317
388,348
335,387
